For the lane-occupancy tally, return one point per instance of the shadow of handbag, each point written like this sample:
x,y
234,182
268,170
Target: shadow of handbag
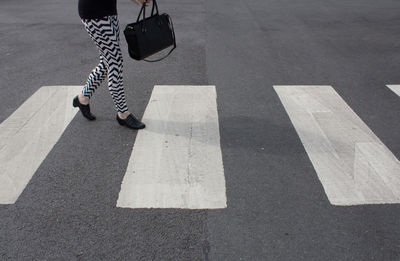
x,y
150,35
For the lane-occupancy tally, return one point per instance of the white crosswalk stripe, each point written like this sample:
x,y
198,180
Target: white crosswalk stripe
x,y
394,88
354,166
176,160
28,135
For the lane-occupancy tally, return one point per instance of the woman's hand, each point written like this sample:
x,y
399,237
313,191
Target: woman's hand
x,y
141,1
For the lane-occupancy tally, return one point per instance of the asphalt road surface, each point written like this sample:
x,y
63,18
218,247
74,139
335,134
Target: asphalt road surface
x,y
277,208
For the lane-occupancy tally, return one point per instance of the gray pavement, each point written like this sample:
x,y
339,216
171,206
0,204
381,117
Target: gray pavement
x,y
277,208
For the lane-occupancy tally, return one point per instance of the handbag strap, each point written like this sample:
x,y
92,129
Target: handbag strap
x,y
152,9
143,9
170,51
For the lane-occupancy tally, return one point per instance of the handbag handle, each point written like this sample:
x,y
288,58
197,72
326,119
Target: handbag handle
x,y
143,9
152,9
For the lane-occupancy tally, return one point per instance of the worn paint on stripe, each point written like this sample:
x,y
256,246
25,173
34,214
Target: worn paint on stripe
x,y
394,88
354,166
28,135
176,160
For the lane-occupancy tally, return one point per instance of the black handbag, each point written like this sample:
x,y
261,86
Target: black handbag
x,y
150,35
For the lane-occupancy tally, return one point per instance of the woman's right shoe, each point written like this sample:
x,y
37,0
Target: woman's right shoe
x,y
131,122
84,108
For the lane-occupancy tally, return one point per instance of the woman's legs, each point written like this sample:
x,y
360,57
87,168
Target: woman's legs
x,y
105,33
95,78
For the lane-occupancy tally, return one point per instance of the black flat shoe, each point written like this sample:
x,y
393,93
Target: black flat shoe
x,y
85,109
131,122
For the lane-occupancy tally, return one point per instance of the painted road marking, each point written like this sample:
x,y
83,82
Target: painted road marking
x,y
354,166
394,88
176,161
28,135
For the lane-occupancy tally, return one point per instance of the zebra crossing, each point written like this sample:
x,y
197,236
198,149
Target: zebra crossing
x,y
176,161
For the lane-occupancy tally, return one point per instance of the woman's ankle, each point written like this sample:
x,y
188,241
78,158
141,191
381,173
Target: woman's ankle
x,y
83,99
123,115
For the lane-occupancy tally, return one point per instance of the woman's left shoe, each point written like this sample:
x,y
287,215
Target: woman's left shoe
x,y
84,108
131,122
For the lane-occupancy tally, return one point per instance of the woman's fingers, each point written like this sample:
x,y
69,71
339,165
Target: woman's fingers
x,y
141,1
145,1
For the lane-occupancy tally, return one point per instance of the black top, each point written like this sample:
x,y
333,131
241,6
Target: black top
x,y
95,9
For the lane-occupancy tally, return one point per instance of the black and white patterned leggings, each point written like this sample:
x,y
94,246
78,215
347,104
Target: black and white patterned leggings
x,y
105,33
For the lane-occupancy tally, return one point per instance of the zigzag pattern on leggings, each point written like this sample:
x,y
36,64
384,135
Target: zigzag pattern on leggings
x,y
105,34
